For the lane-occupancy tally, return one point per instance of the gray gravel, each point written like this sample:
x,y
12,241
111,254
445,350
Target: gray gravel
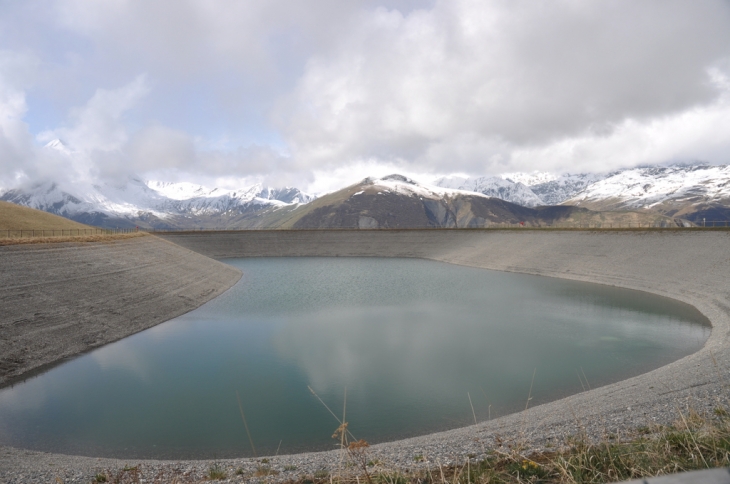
x,y
690,266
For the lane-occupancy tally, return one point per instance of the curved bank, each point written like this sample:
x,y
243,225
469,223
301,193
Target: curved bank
x,y
691,266
62,299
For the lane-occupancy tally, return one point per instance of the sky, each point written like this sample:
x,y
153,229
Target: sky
x,y
319,94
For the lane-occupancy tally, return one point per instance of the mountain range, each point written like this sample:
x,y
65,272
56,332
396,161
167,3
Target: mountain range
x,y
660,194
396,201
691,192
151,204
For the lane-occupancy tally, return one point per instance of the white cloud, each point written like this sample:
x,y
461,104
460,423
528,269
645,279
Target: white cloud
x,y
16,142
325,92
697,133
98,125
471,84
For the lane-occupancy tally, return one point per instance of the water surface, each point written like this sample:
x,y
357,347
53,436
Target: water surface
x,y
410,341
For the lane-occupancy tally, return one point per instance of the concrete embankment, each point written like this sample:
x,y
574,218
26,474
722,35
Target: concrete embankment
x,y
691,266
59,300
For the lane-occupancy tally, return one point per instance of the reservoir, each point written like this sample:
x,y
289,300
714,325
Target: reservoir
x,y
405,346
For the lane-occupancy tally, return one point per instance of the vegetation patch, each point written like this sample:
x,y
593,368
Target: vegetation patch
x,y
692,442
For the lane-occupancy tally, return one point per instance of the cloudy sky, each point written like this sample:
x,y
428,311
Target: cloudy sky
x,y
320,93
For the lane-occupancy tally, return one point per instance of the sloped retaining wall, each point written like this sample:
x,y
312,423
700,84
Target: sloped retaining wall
x,y
59,300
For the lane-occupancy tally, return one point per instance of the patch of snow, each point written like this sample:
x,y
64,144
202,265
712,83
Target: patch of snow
x,y
58,145
131,196
649,186
529,179
564,187
406,186
493,186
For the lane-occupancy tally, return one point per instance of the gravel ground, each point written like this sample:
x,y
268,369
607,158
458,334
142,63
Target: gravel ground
x,y
690,266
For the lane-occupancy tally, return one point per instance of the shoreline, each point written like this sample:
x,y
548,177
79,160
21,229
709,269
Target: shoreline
x,y
689,266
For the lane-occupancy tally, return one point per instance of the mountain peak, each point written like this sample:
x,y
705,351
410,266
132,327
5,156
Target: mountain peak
x,y
58,145
400,178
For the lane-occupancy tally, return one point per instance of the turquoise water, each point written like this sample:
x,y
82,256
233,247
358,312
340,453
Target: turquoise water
x,y
410,342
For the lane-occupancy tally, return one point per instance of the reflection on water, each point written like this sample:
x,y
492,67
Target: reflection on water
x,y
408,339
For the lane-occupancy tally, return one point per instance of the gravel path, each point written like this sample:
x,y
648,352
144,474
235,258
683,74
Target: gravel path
x,y
690,266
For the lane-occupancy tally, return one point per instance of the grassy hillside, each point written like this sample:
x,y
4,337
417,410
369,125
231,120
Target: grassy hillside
x,y
16,217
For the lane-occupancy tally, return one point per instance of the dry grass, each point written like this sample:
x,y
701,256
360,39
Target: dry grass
x,y
23,225
108,237
16,217
693,442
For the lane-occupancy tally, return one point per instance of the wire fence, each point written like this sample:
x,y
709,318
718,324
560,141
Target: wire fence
x,y
495,225
28,233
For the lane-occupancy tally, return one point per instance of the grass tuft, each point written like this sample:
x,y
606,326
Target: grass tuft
x,y
265,470
216,472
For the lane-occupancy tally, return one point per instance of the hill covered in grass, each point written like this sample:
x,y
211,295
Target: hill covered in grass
x,y
16,217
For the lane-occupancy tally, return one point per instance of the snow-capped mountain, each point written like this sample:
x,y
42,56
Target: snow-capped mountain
x,y
680,189
693,192
494,186
149,203
527,189
529,179
134,201
396,201
563,187
403,185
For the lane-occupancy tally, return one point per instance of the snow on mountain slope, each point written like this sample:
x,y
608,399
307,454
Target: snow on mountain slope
x,y
402,185
179,190
131,196
134,197
529,179
494,186
49,197
648,187
527,189
59,146
684,191
564,187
